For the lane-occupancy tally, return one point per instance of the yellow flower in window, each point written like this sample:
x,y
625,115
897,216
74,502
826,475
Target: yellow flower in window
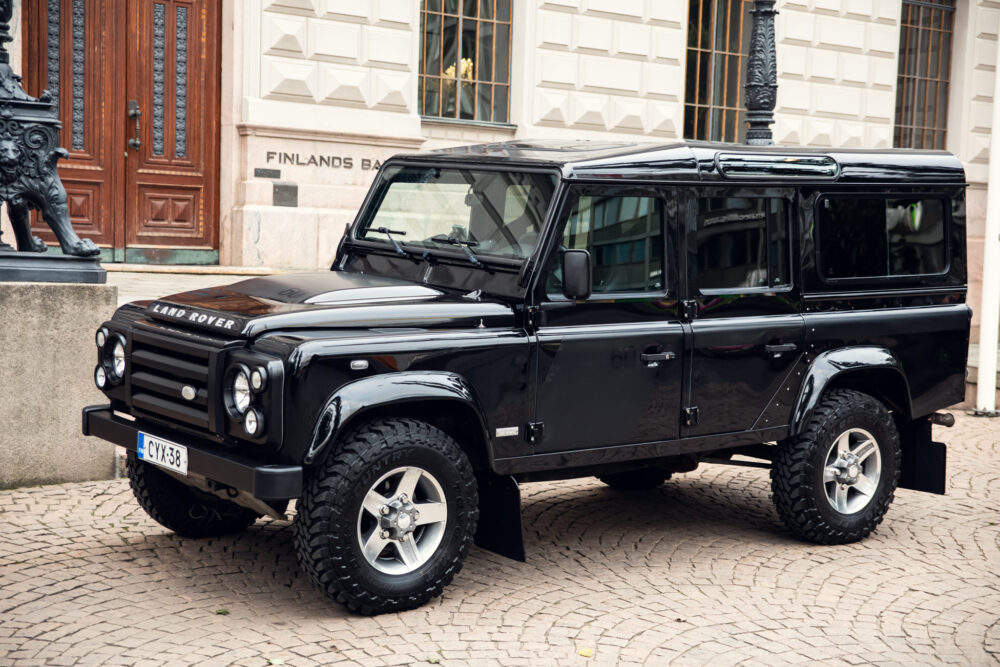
x,y
468,70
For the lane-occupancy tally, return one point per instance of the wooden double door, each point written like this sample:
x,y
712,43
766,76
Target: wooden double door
x,y
137,83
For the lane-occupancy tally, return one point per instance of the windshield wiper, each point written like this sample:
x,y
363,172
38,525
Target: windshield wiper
x,y
467,246
395,244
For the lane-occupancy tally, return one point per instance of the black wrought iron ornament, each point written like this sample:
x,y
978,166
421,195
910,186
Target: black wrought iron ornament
x,y
761,87
29,153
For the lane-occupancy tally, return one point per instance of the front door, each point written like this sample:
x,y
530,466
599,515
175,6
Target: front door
x,y
137,83
747,334
599,384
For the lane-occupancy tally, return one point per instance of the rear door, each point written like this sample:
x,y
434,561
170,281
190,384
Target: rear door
x,y
747,332
594,387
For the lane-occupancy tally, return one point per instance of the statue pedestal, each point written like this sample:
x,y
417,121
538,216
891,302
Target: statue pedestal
x,y
45,268
47,359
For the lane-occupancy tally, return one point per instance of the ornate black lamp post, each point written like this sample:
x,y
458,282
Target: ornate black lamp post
x,y
761,87
29,151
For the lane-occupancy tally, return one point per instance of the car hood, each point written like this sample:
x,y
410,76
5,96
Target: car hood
x,y
329,299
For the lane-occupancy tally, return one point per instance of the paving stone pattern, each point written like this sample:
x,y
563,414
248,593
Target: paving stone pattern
x,y
699,571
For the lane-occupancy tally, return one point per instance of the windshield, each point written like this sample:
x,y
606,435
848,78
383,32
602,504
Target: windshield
x,y
491,213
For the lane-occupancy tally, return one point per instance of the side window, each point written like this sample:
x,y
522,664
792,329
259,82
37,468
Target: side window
x,y
742,243
875,237
624,235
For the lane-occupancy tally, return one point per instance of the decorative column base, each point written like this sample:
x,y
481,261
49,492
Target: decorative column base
x,y
759,127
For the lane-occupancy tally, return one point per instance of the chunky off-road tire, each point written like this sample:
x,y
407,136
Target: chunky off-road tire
x,y
805,502
331,532
635,480
180,508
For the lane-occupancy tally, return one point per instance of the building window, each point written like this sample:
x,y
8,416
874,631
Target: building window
x,y
718,39
465,59
925,38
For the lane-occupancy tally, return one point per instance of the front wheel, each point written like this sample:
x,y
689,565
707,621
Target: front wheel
x,y
182,509
833,483
387,519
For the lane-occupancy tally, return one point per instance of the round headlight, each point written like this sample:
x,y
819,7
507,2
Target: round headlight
x,y
100,377
241,392
101,337
118,359
257,379
251,422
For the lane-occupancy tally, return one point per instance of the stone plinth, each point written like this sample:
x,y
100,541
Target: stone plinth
x,y
47,359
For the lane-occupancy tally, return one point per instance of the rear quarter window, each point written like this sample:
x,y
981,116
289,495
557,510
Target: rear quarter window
x,y
881,236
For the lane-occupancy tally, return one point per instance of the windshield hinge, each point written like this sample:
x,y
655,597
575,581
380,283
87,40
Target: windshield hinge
x,y
689,309
536,431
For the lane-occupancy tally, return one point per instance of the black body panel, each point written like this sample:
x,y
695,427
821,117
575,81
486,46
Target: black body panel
x,y
531,382
265,481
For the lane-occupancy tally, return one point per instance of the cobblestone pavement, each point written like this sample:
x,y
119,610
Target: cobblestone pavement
x,y
699,571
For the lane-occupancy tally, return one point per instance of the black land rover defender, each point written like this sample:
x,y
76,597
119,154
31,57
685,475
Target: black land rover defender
x,y
530,311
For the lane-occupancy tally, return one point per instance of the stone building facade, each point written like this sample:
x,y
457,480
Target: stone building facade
x,y
314,94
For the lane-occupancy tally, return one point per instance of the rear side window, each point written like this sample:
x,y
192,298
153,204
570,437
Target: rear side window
x,y
876,237
624,235
742,243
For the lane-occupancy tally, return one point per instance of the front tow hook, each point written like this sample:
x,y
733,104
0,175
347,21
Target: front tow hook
x,y
942,419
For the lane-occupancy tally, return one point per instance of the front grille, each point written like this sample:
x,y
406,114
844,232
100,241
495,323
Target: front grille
x,y
160,369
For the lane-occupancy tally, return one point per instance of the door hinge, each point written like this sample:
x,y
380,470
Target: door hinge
x,y
531,314
689,416
535,431
689,309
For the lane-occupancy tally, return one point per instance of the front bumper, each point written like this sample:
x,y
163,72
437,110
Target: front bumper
x,y
264,482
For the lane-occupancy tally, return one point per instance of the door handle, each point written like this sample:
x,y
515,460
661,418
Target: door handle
x,y
780,348
653,359
134,112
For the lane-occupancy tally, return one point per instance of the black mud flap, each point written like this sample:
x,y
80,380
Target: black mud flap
x,y
924,460
499,528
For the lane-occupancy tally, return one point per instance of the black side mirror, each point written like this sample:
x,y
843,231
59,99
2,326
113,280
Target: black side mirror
x,y
576,274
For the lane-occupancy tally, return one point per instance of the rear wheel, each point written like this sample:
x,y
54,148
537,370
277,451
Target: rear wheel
x,y
834,482
635,480
386,521
182,509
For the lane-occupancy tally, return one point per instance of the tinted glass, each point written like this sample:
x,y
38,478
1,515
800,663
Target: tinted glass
x,y
876,236
742,243
500,213
624,236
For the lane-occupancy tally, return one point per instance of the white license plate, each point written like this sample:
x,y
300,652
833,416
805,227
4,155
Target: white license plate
x,y
163,453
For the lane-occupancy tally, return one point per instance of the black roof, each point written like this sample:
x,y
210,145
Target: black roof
x,y
707,161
